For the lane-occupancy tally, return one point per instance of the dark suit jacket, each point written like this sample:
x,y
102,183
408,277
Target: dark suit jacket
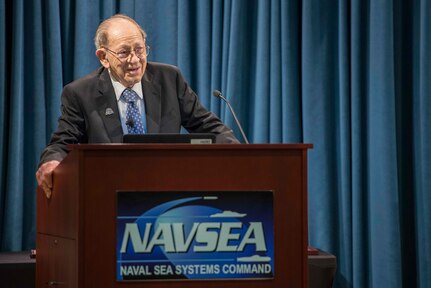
x,y
87,105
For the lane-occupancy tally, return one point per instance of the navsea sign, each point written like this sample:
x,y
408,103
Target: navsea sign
x,y
195,235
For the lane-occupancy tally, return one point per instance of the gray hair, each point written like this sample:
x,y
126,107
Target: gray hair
x,y
101,37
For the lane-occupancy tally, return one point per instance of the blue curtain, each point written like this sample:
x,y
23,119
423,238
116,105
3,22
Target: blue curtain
x,y
351,77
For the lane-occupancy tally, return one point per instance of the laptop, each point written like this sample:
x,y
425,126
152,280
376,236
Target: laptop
x,y
173,138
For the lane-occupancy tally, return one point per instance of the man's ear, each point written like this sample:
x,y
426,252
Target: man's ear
x,y
101,54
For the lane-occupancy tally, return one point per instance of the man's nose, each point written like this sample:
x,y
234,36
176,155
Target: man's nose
x,y
133,57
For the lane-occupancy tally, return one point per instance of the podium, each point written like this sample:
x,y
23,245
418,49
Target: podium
x,y
76,230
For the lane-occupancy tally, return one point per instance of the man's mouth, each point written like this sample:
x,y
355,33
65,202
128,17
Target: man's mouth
x,y
133,70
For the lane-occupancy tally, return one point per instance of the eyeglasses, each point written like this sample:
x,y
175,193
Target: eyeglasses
x,y
124,54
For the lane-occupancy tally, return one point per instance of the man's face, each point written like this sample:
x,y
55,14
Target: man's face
x,y
125,41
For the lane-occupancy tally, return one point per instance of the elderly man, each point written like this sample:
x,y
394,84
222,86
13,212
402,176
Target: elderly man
x,y
126,95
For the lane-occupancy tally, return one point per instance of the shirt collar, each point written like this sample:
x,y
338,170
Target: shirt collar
x,y
119,88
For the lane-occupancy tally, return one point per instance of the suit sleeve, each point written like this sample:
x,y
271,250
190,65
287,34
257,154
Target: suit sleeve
x,y
70,130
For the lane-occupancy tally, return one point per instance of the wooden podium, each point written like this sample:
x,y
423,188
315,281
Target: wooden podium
x,y
76,241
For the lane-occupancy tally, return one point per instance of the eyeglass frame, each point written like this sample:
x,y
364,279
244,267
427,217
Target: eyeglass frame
x,y
129,52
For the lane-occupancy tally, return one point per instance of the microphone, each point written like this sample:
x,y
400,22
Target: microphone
x,y
218,94
130,122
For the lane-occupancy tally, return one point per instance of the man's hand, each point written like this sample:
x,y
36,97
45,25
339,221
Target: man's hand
x,y
44,176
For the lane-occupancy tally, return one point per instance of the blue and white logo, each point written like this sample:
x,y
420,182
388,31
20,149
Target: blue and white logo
x,y
195,235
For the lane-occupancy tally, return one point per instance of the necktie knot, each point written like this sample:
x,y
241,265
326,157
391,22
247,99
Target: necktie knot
x,y
129,95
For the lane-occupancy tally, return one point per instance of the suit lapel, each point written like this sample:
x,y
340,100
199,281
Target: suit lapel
x,y
152,99
108,108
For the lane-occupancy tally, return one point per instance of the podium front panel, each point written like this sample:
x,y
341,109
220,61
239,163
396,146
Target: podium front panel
x,y
99,171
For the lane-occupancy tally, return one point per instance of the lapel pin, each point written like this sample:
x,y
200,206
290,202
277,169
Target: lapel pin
x,y
108,112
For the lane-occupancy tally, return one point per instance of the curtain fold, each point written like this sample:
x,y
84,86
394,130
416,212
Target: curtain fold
x,y
14,192
4,115
357,238
384,218
422,140
352,77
